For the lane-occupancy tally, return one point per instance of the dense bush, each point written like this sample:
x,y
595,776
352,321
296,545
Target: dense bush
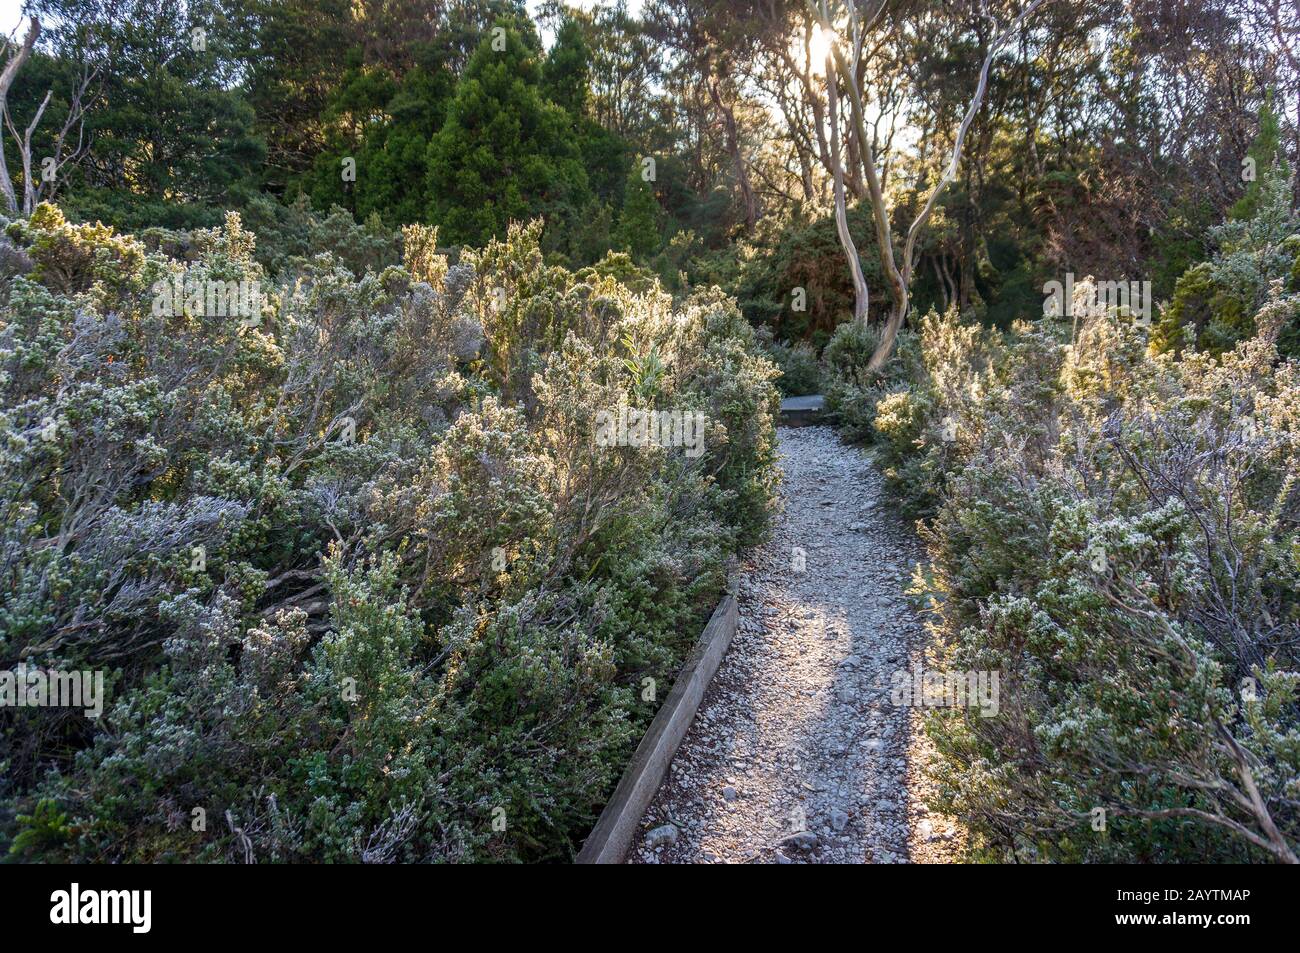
x,y
806,253
798,364
1215,302
1116,533
853,392
364,586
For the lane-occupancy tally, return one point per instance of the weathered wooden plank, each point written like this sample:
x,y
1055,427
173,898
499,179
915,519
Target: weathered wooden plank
x,y
610,838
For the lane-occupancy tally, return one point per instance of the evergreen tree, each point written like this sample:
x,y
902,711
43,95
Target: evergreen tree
x,y
1264,151
174,138
291,51
566,75
384,123
638,223
566,81
505,153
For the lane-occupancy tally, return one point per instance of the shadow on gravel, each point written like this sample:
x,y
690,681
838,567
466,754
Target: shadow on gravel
x,y
797,753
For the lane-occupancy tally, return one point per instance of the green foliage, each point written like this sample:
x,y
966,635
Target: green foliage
x,y
638,222
290,236
504,154
1113,533
1264,156
800,372
383,123
566,74
174,138
362,582
852,392
807,254
1215,302
291,51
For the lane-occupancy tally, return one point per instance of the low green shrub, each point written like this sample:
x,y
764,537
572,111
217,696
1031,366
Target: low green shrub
x,y
363,583
852,391
1215,302
798,364
1116,533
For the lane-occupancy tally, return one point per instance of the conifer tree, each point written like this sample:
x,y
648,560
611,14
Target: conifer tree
x,y
566,75
1264,151
504,153
638,223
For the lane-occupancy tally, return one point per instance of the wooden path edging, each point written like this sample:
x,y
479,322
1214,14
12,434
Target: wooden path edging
x,y
610,839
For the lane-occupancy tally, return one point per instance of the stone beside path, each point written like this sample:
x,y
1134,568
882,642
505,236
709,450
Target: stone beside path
x,y
802,411
797,754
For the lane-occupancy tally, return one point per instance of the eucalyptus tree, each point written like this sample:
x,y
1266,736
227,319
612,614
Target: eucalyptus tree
x,y
842,70
49,132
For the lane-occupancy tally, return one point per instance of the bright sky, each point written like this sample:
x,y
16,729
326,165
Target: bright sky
x,y
633,7
11,13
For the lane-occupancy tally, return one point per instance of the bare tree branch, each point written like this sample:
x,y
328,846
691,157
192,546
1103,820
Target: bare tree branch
x,y
7,76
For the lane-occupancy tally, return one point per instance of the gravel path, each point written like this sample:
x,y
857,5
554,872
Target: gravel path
x,y
797,754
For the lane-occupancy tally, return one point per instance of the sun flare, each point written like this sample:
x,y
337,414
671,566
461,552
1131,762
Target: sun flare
x,y
819,47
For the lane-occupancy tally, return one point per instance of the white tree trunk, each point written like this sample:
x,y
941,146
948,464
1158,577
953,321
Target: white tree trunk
x,y
860,293
7,76
899,273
